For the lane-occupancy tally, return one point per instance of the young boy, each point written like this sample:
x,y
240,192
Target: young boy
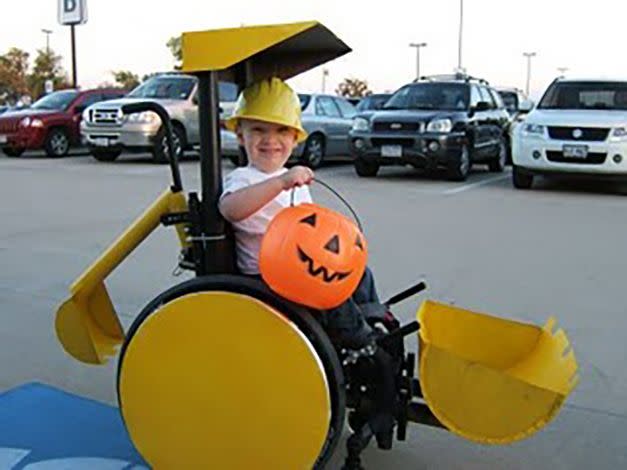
x,y
267,124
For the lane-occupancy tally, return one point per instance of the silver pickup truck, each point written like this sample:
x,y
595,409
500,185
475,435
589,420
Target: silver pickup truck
x,y
106,131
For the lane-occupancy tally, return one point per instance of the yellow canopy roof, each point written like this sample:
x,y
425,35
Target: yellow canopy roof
x,y
253,53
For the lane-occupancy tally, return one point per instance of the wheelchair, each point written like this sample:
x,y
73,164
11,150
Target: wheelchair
x,y
221,372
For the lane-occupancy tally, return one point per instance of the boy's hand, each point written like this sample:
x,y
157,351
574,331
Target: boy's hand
x,y
296,176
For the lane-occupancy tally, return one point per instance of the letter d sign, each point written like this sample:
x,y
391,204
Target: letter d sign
x,y
69,6
72,12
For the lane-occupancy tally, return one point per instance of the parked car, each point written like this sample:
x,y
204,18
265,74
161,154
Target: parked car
x,y
516,102
579,128
374,101
229,144
436,122
328,120
518,106
107,132
51,123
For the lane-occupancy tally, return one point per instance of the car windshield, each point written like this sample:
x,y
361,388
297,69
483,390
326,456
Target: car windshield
x,y
372,102
304,100
438,96
59,100
173,88
510,98
586,95
227,91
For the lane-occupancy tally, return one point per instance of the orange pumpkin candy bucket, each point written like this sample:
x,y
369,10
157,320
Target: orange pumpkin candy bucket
x,y
313,256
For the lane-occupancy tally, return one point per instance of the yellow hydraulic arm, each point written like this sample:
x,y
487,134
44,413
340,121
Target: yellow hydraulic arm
x,y
86,324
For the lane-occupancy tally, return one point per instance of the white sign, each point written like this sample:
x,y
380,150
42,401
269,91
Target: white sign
x,y
48,86
72,12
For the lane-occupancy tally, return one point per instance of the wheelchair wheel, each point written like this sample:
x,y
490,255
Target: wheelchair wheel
x,y
219,372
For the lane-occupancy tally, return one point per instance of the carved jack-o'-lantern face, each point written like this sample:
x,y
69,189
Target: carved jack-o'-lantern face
x,y
313,256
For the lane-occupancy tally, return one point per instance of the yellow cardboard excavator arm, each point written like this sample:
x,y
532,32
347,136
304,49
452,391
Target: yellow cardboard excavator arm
x,y
86,324
252,53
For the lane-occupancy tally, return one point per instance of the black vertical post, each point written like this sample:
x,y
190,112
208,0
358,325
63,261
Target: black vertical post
x,y
74,81
218,252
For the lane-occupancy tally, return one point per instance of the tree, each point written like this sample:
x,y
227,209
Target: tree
x,y
13,75
353,88
126,79
47,66
176,48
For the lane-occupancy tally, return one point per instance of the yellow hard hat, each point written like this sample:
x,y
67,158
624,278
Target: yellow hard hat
x,y
270,100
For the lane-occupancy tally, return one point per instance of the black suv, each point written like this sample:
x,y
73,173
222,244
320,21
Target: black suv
x,y
436,122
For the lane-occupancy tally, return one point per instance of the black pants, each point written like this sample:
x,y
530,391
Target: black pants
x,y
346,323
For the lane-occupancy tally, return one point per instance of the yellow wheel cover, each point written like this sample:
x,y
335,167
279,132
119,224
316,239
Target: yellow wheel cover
x,y
221,380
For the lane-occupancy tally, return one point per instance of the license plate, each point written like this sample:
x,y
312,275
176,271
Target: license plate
x,y
3,139
575,151
391,151
101,142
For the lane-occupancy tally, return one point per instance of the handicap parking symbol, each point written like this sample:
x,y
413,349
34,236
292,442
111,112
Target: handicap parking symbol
x,y
43,428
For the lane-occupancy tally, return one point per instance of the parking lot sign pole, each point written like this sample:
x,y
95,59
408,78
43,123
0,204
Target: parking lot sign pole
x,y
74,79
71,13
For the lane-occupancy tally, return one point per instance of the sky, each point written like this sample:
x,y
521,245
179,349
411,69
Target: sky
x,y
585,37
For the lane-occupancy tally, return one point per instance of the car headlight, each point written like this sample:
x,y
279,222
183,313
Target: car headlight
x,y
145,117
85,115
361,124
534,129
36,123
619,133
440,125
25,122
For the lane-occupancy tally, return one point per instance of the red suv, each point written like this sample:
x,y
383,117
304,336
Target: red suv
x,y
51,123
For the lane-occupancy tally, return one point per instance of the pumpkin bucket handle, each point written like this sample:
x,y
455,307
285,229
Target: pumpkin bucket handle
x,y
337,195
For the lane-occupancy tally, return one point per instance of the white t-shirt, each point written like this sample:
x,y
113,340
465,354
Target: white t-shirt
x,y
250,231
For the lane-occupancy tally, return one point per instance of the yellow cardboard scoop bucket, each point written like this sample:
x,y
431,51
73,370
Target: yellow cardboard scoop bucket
x,y
491,380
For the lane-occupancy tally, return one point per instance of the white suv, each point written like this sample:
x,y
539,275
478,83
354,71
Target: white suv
x,y
579,127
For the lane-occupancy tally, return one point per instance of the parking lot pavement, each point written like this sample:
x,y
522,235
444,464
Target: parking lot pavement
x,y
555,250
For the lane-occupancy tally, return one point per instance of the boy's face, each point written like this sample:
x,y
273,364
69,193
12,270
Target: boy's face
x,y
267,145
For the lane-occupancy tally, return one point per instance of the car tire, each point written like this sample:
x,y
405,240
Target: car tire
x,y
105,155
365,168
160,152
313,153
57,143
459,168
13,152
521,179
498,164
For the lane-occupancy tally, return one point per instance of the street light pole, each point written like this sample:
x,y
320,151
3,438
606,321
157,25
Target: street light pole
x,y
528,55
461,24
418,46
47,32
325,74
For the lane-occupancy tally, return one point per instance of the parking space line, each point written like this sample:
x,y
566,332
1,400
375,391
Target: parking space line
x,y
466,187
